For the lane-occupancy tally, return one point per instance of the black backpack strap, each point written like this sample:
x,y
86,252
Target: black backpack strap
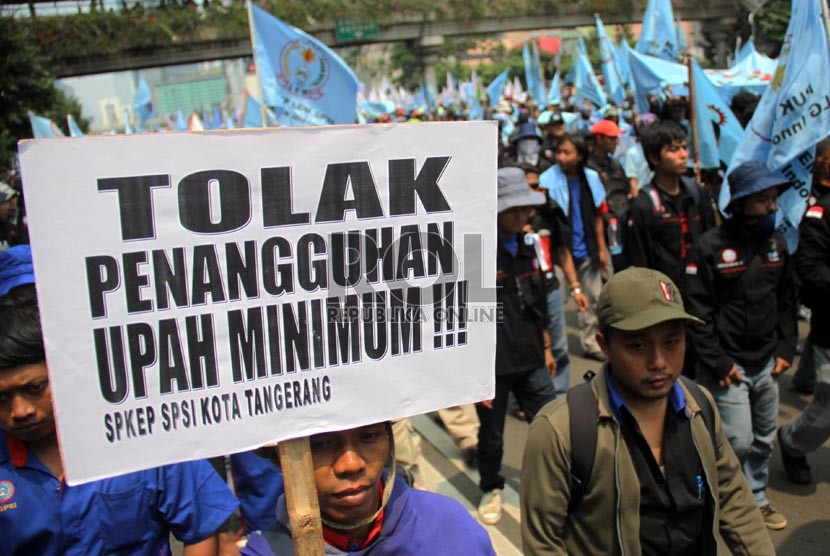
x,y
583,415
706,410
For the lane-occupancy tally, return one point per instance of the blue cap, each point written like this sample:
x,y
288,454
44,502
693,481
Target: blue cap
x,y
16,268
751,177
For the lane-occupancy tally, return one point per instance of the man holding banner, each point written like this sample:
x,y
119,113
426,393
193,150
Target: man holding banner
x,y
39,513
368,510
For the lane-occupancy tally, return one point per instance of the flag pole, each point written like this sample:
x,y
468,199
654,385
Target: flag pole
x,y
692,118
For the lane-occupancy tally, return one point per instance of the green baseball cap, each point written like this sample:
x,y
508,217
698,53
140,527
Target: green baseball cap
x,y
637,298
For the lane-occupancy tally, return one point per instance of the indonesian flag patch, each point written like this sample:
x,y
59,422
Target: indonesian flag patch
x,y
691,269
815,212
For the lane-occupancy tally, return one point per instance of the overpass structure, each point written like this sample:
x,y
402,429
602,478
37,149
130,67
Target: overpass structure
x,y
427,33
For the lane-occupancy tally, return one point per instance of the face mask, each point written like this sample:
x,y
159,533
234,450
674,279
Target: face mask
x,y
528,147
761,227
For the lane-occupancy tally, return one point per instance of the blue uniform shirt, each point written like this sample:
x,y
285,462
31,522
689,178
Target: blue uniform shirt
x,y
130,514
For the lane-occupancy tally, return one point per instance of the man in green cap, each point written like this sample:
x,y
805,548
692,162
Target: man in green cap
x,y
635,460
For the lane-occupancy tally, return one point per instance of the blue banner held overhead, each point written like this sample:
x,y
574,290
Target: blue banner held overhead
x,y
496,87
792,115
304,80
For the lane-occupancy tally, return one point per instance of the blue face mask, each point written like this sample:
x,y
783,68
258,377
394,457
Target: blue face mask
x,y
762,227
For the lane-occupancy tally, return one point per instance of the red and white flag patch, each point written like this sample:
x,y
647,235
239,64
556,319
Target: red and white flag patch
x,y
815,212
691,269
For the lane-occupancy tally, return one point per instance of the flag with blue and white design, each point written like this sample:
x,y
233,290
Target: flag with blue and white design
x,y
658,36
44,127
792,115
710,109
533,78
252,115
303,79
181,123
610,68
555,91
74,130
587,85
144,108
496,87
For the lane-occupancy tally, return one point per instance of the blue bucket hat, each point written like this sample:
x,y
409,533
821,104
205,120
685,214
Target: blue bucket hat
x,y
528,130
15,268
751,177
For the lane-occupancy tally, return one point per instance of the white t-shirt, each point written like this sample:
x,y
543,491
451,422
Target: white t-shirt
x,y
635,166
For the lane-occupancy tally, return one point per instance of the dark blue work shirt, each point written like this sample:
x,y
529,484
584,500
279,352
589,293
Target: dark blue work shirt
x,y
130,514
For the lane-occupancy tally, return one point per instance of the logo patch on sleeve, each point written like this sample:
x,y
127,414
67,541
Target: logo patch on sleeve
x,y
691,269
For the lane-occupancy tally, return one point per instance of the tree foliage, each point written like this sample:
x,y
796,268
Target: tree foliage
x,y
27,84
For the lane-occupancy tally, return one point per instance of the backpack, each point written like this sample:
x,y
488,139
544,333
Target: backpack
x,y
583,415
686,183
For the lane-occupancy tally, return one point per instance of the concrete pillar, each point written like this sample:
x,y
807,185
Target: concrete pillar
x,y
720,32
429,49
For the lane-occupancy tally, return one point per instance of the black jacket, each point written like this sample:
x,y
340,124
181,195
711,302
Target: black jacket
x,y
813,268
522,294
654,235
743,323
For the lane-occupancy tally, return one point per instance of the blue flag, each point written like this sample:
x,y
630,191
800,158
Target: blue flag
x,y
218,120
181,123
682,45
792,115
587,86
144,108
207,122
535,87
74,130
555,91
44,127
658,37
303,79
252,115
710,109
622,62
651,76
228,120
610,68
495,88
746,50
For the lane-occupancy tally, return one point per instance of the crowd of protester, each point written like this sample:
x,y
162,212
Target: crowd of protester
x,y
604,207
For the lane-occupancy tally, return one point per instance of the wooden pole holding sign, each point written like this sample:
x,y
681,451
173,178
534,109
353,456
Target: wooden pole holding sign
x,y
301,496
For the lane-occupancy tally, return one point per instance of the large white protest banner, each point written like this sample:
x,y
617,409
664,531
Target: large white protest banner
x,y
205,293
